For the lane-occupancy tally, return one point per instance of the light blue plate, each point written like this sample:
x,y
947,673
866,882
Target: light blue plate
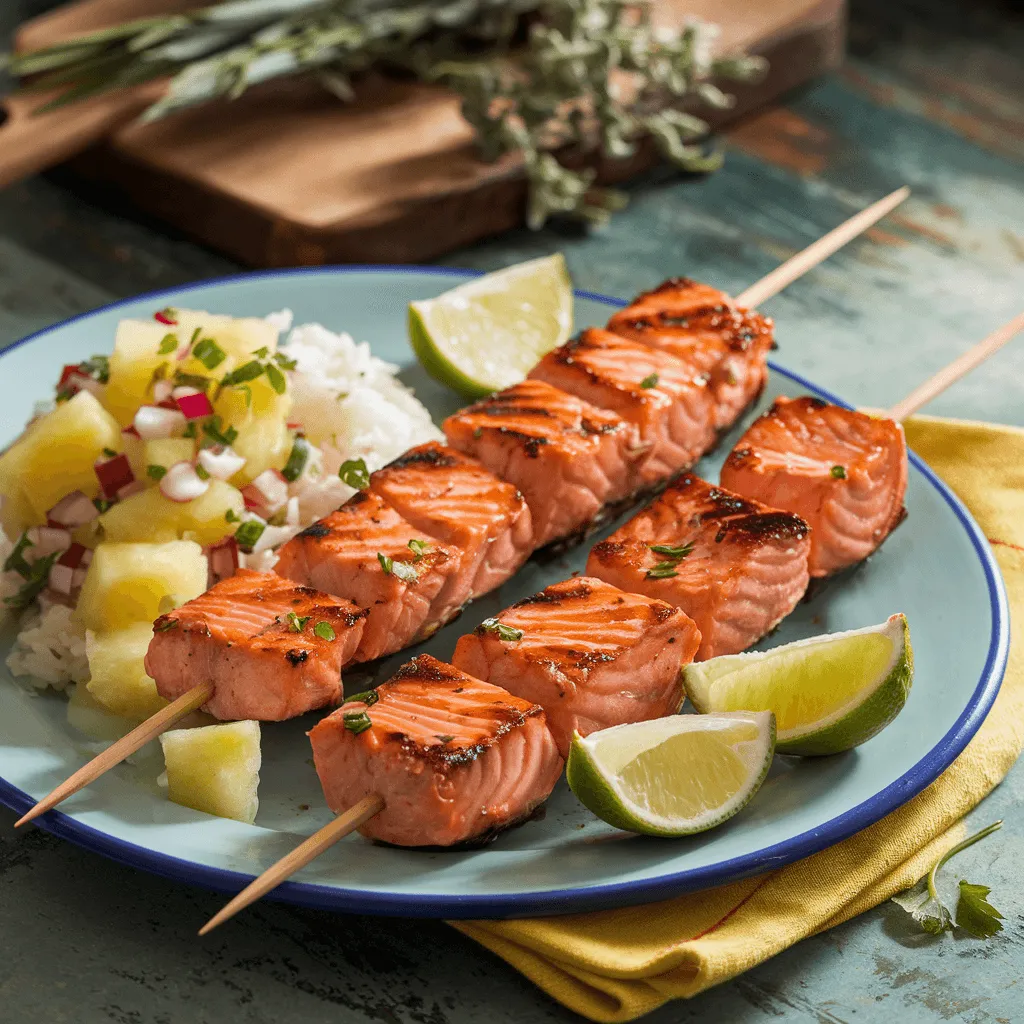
x,y
937,568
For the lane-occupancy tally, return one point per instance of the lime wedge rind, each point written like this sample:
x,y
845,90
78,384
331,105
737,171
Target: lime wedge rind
x,y
596,786
849,724
488,333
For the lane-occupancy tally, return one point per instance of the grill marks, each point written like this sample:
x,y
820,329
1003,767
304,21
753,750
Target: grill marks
x,y
746,568
844,472
566,457
253,637
456,759
591,655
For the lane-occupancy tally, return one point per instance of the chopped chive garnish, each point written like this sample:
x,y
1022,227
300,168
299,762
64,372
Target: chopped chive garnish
x,y
156,472
507,633
325,631
249,533
202,472
419,548
675,553
245,372
662,571
297,623
297,459
838,472
367,697
208,352
402,570
169,343
191,380
219,434
650,381
356,721
354,473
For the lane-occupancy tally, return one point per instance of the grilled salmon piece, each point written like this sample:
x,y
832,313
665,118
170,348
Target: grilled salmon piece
x,y
566,457
454,498
666,399
591,655
455,759
703,327
257,637
735,566
366,552
843,472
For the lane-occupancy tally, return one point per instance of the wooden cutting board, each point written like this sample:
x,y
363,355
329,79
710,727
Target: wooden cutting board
x,y
287,175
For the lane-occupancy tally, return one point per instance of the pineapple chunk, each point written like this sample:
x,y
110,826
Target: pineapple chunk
x,y
149,516
135,361
215,769
89,716
260,415
167,451
117,671
239,337
56,455
129,583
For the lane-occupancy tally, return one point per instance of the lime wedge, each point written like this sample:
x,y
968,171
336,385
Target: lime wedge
x,y
672,776
828,693
489,333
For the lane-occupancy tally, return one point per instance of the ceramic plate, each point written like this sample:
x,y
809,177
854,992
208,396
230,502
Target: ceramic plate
x,y
937,568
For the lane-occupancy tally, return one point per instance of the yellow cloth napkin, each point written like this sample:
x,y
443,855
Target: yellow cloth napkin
x,y
617,965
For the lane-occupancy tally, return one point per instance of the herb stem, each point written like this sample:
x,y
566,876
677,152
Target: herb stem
x,y
959,848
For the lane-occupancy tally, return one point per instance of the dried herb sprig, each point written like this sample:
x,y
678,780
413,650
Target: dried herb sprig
x,y
550,80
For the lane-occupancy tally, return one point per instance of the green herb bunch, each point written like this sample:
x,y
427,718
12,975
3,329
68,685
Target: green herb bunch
x,y
553,81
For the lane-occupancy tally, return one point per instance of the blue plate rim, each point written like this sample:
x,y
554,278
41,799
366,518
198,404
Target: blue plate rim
x,y
596,897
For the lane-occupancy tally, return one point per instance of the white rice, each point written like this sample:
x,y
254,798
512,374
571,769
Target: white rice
x,y
350,405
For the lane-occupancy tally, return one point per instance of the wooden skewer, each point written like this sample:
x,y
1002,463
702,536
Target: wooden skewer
x,y
819,251
309,850
960,367
124,747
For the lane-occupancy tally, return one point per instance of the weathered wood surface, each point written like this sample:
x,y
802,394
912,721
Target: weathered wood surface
x,y
934,95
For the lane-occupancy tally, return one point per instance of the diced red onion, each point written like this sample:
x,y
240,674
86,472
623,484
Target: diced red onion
x,y
62,579
114,474
47,539
162,391
195,405
69,371
182,483
223,559
74,557
155,423
221,463
74,509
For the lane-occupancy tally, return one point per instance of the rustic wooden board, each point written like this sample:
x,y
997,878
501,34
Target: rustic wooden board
x,y
288,175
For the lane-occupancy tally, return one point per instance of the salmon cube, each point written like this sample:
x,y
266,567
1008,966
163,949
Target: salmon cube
x,y
735,566
843,472
704,328
566,457
454,498
456,760
668,402
366,552
272,649
588,653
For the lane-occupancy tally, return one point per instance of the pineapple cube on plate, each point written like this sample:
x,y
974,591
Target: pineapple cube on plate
x,y
149,516
260,415
134,364
129,583
117,671
55,456
238,337
215,768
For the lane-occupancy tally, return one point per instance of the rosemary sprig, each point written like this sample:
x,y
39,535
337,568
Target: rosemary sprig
x,y
555,81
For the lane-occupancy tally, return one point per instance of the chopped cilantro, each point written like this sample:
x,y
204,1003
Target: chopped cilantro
x,y
156,472
354,473
507,633
168,344
276,378
297,623
325,631
419,548
650,381
208,352
249,533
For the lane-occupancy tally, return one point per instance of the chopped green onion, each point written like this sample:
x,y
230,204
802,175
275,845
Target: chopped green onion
x,y
356,721
325,631
249,533
508,633
208,352
402,570
673,553
156,472
297,623
297,459
191,380
367,697
354,473
419,548
662,571
202,472
169,343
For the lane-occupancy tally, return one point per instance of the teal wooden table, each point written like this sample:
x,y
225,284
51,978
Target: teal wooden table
x,y
932,96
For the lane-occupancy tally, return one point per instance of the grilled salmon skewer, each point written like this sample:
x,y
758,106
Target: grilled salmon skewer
x,y
432,757
254,646
843,471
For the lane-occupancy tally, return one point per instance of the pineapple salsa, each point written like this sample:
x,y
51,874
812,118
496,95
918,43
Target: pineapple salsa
x,y
200,445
